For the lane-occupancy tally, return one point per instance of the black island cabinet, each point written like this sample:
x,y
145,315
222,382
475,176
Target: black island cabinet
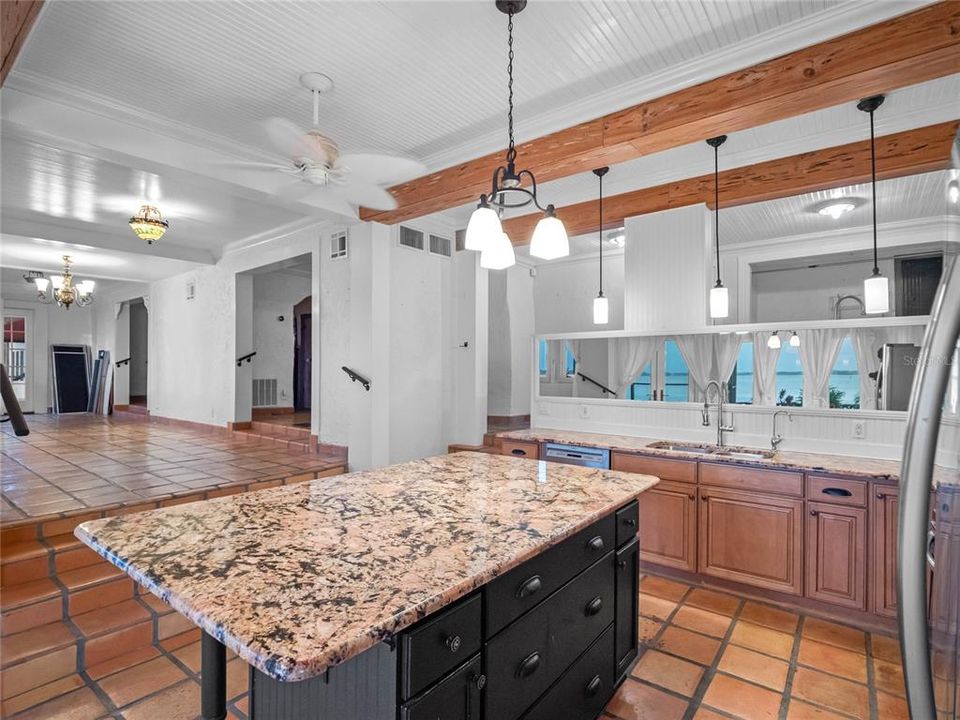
x,y
552,638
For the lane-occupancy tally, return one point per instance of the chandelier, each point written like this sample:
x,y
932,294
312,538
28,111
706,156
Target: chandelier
x,y
148,224
484,231
65,291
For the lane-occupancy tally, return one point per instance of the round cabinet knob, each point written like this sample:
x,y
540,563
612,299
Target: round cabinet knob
x,y
454,642
814,513
480,681
593,687
629,522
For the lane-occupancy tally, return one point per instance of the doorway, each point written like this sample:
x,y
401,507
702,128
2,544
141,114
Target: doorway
x,y
302,354
18,355
138,353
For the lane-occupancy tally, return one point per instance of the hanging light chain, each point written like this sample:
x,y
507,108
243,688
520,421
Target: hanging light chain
x,y
511,151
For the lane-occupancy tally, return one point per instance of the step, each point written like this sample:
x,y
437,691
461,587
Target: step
x,y
28,593
22,562
41,640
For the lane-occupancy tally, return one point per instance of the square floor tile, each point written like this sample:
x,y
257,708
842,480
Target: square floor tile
x,y
770,617
762,639
888,677
742,699
715,601
831,692
130,685
702,621
656,607
637,701
661,587
832,659
668,672
689,645
835,634
752,666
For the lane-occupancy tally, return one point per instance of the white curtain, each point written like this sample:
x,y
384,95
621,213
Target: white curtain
x,y
866,343
697,351
556,369
726,349
573,347
764,370
818,353
631,355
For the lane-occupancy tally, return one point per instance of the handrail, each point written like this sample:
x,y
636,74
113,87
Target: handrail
x,y
12,405
248,357
125,361
594,382
356,377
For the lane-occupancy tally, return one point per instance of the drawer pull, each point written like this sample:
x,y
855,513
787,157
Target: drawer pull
x,y
595,544
629,522
529,587
593,607
836,492
518,451
593,687
454,642
529,665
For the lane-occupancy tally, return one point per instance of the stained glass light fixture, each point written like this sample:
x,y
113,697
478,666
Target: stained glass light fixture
x,y
148,224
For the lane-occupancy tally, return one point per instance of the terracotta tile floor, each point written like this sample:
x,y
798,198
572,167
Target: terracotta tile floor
x,y
69,463
294,419
694,664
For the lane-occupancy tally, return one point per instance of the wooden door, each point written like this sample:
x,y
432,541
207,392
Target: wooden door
x,y
668,525
303,357
884,517
836,556
752,538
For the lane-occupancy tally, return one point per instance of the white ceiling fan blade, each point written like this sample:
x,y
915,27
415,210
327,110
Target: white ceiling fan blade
x,y
242,165
292,141
368,195
382,169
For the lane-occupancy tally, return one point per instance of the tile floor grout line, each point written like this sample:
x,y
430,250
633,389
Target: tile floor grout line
x,y
787,696
871,680
696,701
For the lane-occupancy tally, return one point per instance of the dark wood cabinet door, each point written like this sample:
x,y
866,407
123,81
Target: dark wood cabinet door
x,y
884,517
668,525
752,539
627,629
836,556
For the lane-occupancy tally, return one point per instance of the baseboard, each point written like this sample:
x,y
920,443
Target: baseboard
x,y
240,425
121,408
509,421
268,411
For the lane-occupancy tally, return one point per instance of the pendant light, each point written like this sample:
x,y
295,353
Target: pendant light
x,y
876,293
773,342
550,239
794,339
719,295
601,307
498,254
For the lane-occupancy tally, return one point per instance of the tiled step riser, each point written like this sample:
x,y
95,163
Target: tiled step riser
x,y
47,561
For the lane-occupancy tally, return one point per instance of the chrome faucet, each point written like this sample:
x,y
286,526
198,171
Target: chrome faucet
x,y
776,438
837,305
705,413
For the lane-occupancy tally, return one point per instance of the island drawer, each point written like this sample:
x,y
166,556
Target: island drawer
x,y
824,488
582,691
628,518
526,658
663,468
439,644
738,477
520,448
519,590
457,697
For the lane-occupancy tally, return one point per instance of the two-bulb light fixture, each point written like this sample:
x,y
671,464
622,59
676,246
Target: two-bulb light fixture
x,y
876,291
148,224
719,294
601,306
485,231
65,290
774,343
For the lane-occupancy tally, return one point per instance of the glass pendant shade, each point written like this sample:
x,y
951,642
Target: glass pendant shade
x,y
774,342
719,302
794,340
42,284
148,224
550,239
57,281
86,287
484,228
601,310
876,295
498,255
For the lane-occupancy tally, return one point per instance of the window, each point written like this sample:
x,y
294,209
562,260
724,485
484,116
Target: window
x,y
789,377
844,382
544,364
440,245
570,363
641,388
740,384
676,380
338,245
411,238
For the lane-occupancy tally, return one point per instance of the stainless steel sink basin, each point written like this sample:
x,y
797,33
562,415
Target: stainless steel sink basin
x,y
677,447
735,453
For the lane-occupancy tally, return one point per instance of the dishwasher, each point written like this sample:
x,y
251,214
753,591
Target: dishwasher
x,y
577,455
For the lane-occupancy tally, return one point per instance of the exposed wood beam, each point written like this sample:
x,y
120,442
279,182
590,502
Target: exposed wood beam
x,y
16,19
905,153
916,47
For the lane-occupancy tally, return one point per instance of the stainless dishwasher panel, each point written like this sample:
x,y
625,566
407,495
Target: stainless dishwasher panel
x,y
577,455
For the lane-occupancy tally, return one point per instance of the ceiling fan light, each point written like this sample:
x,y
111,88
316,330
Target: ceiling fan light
x,y
148,224
876,294
550,239
484,227
719,302
498,254
42,284
773,342
601,310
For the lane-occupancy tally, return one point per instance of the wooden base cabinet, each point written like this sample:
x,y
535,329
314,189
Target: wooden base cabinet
x,y
884,518
668,519
752,539
836,556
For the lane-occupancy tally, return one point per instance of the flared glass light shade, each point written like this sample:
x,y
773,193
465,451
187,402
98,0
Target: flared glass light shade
x,y
42,284
498,254
57,281
86,286
773,342
876,295
550,239
601,310
719,302
484,228
794,340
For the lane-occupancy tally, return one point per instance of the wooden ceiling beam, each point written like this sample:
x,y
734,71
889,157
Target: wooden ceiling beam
x,y
16,19
916,47
905,153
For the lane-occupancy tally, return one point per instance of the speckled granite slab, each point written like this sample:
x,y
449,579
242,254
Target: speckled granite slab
x,y
869,468
297,579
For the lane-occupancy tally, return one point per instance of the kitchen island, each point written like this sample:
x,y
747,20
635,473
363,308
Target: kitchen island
x,y
482,586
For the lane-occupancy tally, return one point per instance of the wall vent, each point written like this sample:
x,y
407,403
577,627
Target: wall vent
x,y
411,238
338,245
440,245
264,392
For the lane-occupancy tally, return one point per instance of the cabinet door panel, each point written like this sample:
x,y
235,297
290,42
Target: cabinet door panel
x,y
753,539
668,525
627,606
884,518
836,554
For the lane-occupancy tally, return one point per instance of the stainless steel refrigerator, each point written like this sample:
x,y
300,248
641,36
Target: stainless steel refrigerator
x,y
929,530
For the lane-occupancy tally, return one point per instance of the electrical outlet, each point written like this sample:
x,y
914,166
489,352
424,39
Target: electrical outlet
x,y
543,409
859,429
583,411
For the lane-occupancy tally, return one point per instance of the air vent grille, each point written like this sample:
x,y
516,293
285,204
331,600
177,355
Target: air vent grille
x,y
264,392
440,245
411,238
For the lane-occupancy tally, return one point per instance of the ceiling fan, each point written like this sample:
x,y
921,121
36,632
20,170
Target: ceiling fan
x,y
315,161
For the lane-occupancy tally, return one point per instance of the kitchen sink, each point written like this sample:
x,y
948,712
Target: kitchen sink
x,y
677,447
732,452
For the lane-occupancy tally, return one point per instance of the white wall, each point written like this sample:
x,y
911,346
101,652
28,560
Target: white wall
x,y
563,292
138,348
510,337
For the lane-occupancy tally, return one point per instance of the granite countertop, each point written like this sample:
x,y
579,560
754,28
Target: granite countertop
x,y
869,468
300,578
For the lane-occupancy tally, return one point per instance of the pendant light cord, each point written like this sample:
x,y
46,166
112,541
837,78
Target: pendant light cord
x,y
716,205
873,185
601,234
511,150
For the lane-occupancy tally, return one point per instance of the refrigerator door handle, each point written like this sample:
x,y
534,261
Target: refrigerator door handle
x,y
931,540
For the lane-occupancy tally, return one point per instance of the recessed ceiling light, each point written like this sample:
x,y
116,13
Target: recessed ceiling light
x,y
836,208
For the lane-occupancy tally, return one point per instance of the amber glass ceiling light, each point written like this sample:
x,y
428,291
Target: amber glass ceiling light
x,y
719,295
876,293
507,190
148,224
